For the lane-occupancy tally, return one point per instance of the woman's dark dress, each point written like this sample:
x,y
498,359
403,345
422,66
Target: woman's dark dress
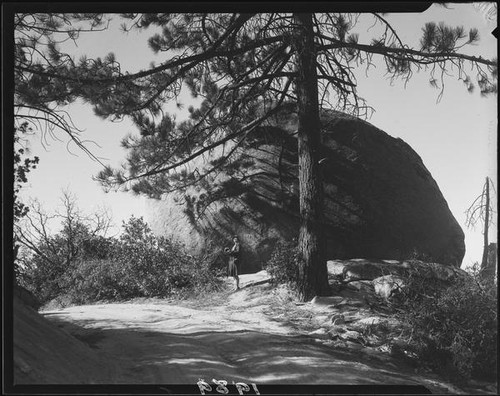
x,y
234,260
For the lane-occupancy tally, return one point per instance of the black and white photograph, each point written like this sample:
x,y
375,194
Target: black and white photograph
x,y
250,198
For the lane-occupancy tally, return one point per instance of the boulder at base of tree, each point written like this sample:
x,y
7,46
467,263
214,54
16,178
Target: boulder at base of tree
x,y
355,270
380,201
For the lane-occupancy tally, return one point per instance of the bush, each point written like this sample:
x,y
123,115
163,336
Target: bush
x,y
137,265
96,280
452,327
283,264
138,270
44,278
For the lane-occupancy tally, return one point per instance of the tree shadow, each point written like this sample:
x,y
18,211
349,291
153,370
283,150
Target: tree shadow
x,y
155,357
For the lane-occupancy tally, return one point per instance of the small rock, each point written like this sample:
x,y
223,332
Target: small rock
x,y
327,300
321,318
386,285
335,267
320,333
351,335
372,320
391,261
338,319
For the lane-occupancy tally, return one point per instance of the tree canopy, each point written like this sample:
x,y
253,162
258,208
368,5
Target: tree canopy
x,y
39,99
242,66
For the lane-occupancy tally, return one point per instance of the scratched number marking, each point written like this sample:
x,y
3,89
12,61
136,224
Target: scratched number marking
x,y
221,387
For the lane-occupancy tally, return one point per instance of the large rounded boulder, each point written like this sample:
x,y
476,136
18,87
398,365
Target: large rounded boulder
x,y
380,201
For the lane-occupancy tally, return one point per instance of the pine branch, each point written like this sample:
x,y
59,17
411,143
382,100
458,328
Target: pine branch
x,y
175,62
244,130
426,57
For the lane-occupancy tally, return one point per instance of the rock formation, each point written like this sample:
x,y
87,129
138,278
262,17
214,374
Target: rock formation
x,y
385,277
380,200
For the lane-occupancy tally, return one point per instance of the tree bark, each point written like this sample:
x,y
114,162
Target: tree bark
x,y
488,271
484,261
313,277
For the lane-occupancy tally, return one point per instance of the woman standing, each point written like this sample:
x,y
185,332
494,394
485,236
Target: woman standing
x,y
234,261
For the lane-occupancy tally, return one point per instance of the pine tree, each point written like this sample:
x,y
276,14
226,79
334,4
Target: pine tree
x,y
22,166
246,69
481,211
39,98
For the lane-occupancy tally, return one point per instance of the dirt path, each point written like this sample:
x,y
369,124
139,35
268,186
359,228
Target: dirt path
x,y
236,338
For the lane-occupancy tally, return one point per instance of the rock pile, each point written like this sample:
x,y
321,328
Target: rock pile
x,y
357,316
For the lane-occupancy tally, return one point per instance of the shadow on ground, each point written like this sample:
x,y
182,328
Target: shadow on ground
x,y
151,357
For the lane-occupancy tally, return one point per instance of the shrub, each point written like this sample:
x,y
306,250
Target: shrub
x,y
44,278
283,264
452,327
48,271
137,265
96,280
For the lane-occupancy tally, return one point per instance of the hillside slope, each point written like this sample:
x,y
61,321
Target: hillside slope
x,y
47,354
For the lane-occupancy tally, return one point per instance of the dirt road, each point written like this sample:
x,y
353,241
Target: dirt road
x,y
237,339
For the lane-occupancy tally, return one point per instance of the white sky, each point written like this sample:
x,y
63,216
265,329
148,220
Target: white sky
x,y
456,138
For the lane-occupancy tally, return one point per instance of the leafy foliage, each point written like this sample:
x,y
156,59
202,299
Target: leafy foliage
x,y
47,270
452,327
22,166
138,264
21,170
443,38
283,264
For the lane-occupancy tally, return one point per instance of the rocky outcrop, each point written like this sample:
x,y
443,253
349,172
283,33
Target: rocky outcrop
x,y
380,200
387,277
363,269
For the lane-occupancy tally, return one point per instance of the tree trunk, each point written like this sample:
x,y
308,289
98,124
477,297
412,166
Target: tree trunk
x,y
484,261
313,277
